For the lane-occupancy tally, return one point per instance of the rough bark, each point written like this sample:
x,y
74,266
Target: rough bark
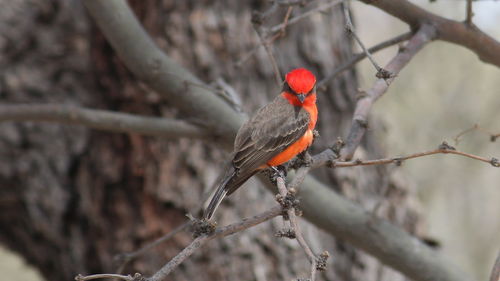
x,y
72,198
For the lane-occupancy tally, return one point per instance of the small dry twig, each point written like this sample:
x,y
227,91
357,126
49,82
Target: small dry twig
x,y
125,258
358,57
136,277
444,148
291,215
219,232
381,73
476,127
469,14
296,19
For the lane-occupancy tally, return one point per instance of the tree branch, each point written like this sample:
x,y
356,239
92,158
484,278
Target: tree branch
x,y
101,120
444,148
451,31
220,232
468,13
350,31
159,71
358,57
296,19
364,104
297,233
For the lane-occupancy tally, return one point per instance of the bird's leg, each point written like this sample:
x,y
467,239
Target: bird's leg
x,y
279,171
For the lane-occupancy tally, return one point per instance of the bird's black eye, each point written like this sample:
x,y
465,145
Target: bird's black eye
x,y
288,89
313,90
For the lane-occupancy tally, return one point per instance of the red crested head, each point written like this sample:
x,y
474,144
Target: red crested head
x,y
300,80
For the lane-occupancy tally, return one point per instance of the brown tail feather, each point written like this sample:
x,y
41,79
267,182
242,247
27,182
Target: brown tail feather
x,y
228,186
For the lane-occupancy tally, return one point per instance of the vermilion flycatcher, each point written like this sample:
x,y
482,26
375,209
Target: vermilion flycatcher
x,y
274,135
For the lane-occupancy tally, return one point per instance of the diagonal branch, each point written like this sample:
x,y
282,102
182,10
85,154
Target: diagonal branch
x,y
159,71
101,120
451,31
364,104
356,58
220,232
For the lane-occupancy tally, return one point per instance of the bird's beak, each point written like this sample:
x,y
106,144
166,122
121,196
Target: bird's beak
x,y
301,97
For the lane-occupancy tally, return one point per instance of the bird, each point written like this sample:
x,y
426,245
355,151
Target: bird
x,y
275,134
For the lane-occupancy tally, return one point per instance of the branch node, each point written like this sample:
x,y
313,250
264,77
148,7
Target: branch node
x,y
321,261
362,123
202,227
286,232
289,200
445,146
398,161
384,74
494,162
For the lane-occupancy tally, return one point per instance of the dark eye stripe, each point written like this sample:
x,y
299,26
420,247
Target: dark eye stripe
x,y
287,88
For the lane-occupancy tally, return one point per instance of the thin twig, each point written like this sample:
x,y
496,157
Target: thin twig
x,y
127,257
364,104
267,47
220,232
296,228
469,13
296,19
358,57
101,120
350,30
476,127
443,149
280,33
136,277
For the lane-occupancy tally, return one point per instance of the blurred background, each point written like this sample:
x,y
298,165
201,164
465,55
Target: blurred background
x,y
443,91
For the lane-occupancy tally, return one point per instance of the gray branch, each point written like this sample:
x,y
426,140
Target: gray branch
x,y
101,119
160,72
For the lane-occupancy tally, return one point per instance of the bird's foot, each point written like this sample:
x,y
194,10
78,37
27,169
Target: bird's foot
x,y
201,227
289,201
277,172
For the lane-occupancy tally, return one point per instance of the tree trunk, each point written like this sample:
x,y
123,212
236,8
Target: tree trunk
x,y
72,198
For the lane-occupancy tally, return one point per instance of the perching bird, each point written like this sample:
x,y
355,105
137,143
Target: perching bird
x,y
274,135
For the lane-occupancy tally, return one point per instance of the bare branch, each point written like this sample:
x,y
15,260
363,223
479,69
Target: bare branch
x,y
159,71
358,57
451,31
350,31
267,47
125,258
136,277
296,19
364,104
280,182
220,232
476,127
443,149
469,14
101,120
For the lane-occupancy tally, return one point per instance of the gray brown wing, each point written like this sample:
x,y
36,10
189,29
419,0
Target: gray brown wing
x,y
270,131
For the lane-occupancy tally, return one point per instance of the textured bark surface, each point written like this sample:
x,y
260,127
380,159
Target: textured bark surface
x,y
71,198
